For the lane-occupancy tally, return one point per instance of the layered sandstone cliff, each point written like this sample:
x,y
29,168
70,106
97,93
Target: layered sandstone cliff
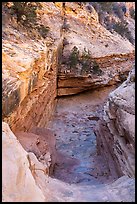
x,y
92,56
36,70
116,130
29,71
29,79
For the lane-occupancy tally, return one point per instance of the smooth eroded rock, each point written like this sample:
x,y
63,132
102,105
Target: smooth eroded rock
x,y
116,130
41,142
18,184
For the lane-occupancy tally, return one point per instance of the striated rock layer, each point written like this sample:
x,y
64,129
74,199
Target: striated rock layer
x,y
116,130
31,83
113,54
36,70
29,70
115,69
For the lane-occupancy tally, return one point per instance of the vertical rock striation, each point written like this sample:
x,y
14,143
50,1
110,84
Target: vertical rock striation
x,y
116,130
31,83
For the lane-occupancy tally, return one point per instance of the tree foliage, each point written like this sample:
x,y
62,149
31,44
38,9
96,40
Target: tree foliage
x,y
26,12
106,6
86,59
96,68
74,57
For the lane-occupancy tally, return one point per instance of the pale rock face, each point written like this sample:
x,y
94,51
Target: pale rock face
x,y
18,184
116,130
41,142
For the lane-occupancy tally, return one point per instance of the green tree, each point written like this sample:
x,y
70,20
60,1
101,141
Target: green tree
x,y
96,68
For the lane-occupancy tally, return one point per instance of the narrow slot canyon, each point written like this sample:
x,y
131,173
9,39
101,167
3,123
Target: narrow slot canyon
x,y
68,103
73,123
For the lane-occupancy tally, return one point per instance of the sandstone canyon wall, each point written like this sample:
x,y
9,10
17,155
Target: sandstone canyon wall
x,y
36,70
92,56
116,130
29,87
29,73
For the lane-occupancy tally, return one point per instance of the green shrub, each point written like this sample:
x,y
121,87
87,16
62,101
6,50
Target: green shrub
x,y
96,68
88,65
121,28
106,6
26,12
74,57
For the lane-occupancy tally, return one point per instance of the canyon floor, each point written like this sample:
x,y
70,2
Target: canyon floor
x,y
52,50
73,123
81,175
